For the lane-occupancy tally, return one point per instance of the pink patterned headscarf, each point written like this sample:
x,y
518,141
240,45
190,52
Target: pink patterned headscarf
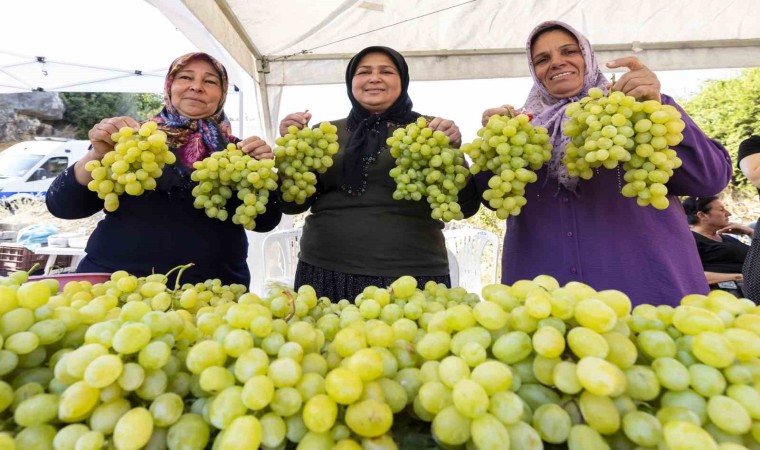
x,y
194,139
549,111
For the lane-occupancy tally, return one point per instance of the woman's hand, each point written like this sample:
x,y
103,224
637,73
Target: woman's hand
x,y
100,134
299,119
256,147
737,228
450,128
100,138
640,82
503,110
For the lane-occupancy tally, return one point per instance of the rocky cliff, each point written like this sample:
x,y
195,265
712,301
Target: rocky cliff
x,y
26,115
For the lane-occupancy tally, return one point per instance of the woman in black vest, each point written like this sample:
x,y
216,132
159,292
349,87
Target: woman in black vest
x,y
357,235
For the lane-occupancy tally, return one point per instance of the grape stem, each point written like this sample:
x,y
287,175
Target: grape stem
x,y
179,274
33,268
166,275
291,303
612,83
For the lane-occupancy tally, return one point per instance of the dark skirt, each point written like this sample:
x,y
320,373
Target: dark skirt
x,y
338,285
751,271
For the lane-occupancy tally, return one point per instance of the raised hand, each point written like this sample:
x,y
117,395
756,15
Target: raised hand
x,y
450,128
640,82
299,119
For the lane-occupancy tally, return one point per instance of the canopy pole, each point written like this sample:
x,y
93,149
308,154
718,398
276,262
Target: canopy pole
x,y
264,96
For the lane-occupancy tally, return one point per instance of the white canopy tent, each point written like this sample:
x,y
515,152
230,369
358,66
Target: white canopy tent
x,y
303,42
100,46
126,45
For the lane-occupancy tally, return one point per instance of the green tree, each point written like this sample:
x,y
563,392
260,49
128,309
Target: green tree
x,y
148,105
729,112
85,109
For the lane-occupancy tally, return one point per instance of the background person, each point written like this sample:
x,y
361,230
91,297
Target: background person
x,y
161,229
722,255
749,162
357,235
587,231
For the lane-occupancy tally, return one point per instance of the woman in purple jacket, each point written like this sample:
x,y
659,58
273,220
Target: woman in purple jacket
x,y
585,230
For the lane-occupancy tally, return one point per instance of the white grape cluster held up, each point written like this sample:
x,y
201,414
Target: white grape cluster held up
x,y
232,172
607,130
133,165
299,154
427,167
513,149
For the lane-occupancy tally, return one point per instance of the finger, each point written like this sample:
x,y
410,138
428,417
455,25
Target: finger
x,y
300,118
644,92
629,77
268,155
435,123
253,141
260,152
501,111
121,122
455,139
445,126
287,123
631,62
132,123
641,84
298,121
103,132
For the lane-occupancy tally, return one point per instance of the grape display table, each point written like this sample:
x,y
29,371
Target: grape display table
x,y
53,252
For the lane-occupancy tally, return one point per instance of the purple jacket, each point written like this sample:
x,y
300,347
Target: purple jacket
x,y
607,241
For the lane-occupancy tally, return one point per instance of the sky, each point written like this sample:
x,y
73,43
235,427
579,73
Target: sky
x,y
35,27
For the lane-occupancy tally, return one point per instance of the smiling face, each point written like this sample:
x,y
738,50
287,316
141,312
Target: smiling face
x,y
376,84
196,90
558,63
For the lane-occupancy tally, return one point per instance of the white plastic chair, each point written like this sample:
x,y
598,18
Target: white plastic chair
x,y
469,247
453,268
280,255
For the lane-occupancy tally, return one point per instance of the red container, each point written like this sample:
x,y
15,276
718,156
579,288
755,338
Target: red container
x,y
65,278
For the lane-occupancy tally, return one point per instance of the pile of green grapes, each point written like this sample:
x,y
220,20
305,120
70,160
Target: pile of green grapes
x,y
231,172
132,166
132,363
299,154
607,130
512,149
427,167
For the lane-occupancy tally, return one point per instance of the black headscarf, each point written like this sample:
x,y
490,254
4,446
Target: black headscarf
x,y
369,131
695,205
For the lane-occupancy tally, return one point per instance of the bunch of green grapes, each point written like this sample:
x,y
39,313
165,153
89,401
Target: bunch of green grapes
x,y
299,154
512,149
607,130
231,172
132,363
427,167
132,166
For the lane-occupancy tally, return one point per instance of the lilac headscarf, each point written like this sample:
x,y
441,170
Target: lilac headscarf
x,y
549,111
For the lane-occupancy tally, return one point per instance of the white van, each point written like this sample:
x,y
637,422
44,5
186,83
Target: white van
x,y
28,168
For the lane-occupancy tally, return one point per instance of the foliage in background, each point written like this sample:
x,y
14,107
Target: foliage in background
x,y
85,109
729,112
